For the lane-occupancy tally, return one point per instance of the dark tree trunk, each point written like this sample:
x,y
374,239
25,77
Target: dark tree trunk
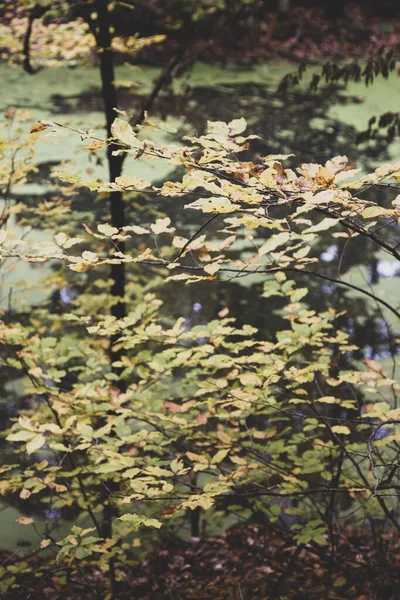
x,y
103,38
101,30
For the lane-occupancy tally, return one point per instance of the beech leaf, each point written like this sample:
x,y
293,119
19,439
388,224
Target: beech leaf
x,y
161,226
274,242
25,520
107,230
35,443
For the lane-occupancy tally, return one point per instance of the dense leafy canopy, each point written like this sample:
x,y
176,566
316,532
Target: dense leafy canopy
x,y
212,412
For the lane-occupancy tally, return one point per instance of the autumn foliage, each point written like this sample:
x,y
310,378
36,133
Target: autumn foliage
x,y
144,432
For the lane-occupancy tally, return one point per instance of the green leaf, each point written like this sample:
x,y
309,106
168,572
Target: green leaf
x,y
152,523
219,456
85,430
109,467
177,467
374,211
83,552
20,436
298,294
138,520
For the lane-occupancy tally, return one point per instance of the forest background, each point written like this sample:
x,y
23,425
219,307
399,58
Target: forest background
x,y
200,315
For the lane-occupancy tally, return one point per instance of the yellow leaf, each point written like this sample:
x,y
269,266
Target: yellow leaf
x,y
197,458
123,131
179,242
60,238
194,501
328,400
4,487
90,256
213,205
396,202
341,429
224,437
71,242
267,177
274,242
250,379
24,520
40,126
228,242
179,408
237,126
212,268
302,253
337,164
162,226
36,443
136,229
324,177
79,267
325,224
107,230
60,488
130,181
94,146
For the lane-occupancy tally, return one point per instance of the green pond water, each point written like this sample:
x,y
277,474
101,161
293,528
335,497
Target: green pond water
x,y
313,126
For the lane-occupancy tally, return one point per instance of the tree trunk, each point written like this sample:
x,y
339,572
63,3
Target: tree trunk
x,y
103,38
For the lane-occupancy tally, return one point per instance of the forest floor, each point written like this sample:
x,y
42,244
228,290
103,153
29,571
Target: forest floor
x,y
251,562
303,34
